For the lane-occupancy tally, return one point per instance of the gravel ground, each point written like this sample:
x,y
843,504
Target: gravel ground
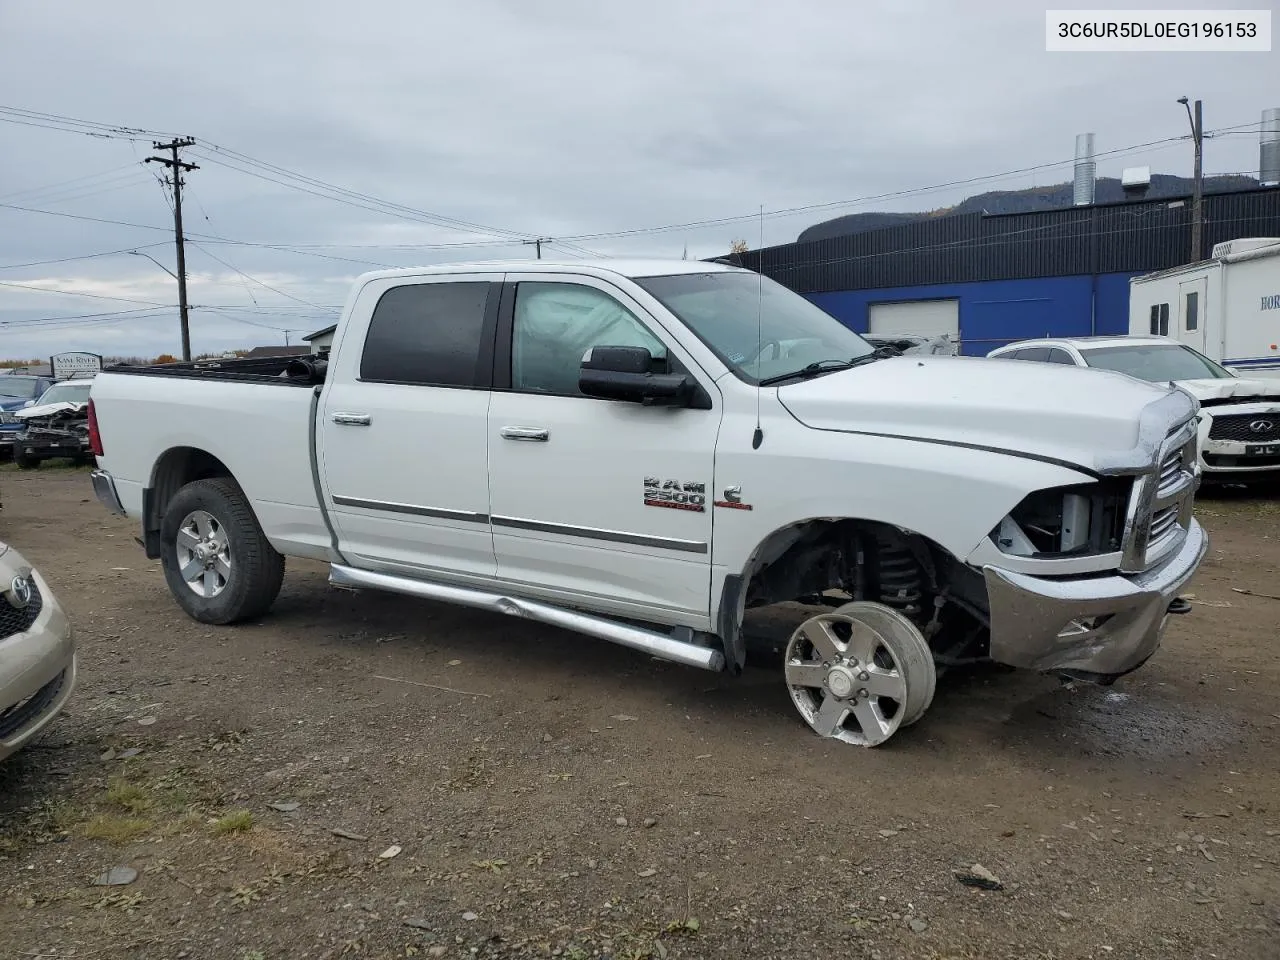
x,y
370,776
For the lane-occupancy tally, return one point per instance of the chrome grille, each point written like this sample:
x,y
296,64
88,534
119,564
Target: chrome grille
x,y
1162,523
1171,470
1160,505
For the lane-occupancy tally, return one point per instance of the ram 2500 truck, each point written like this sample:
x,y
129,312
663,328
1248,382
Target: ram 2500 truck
x,y
641,451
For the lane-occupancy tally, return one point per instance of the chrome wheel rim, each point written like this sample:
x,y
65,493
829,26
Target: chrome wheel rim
x,y
859,674
204,554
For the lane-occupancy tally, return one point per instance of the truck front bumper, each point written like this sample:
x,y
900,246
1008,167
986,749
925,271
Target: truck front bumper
x,y
1094,629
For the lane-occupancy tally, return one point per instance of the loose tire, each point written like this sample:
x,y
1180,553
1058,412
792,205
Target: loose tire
x,y
859,673
219,565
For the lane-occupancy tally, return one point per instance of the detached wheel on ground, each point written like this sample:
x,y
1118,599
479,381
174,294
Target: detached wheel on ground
x,y
219,565
860,673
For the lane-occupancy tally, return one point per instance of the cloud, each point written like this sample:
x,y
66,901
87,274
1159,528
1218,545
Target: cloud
x,y
550,119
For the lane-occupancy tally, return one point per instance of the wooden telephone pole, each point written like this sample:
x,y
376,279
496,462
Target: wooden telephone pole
x,y
178,168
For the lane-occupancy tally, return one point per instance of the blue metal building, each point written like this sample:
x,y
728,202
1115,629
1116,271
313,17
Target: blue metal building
x,y
987,280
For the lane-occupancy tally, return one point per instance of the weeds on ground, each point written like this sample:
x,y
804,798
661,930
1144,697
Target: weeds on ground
x,y
237,821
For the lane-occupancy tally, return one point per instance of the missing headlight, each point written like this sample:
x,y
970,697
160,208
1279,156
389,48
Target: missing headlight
x,y
1067,521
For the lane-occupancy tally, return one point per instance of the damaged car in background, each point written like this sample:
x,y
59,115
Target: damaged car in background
x,y
55,425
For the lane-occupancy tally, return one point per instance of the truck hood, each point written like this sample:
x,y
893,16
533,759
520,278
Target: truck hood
x,y
1093,419
1217,390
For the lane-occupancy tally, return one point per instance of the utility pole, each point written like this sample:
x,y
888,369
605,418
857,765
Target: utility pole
x,y
178,167
1197,197
538,244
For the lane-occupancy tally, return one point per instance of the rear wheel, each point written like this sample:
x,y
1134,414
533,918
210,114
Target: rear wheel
x,y
218,563
24,460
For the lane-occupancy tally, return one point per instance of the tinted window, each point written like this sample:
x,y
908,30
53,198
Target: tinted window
x,y
24,388
1160,319
555,324
427,333
1193,310
1060,356
1157,362
1034,353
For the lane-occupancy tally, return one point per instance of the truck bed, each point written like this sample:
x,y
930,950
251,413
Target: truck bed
x,y
303,370
239,413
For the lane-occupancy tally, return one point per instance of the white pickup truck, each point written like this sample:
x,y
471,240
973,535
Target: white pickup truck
x,y
640,451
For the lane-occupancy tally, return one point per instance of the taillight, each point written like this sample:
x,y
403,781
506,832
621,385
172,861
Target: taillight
x,y
95,438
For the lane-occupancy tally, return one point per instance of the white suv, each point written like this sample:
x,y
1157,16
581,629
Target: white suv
x,y
1239,423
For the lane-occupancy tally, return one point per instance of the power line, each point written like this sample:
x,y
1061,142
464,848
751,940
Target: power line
x,y
90,128
36,321
114,171
357,198
253,278
75,293
86,256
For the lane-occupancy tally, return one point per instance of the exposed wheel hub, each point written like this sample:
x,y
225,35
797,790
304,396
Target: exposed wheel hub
x,y
840,681
203,554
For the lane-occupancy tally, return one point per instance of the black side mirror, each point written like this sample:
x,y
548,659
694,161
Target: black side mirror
x,y
631,374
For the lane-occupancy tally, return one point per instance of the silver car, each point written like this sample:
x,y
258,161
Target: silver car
x,y
37,653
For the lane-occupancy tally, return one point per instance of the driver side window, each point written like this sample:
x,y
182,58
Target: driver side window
x,y
554,326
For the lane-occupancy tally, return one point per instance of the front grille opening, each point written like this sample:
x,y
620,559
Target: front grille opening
x,y
1069,521
1083,625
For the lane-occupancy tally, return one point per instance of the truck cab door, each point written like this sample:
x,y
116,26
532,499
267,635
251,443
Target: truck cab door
x,y
401,426
1192,301
604,500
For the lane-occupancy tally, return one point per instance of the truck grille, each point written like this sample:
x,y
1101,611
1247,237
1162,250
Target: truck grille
x,y
1161,502
13,620
1239,427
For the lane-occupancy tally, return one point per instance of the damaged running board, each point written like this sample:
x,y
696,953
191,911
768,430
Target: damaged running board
x,y
668,646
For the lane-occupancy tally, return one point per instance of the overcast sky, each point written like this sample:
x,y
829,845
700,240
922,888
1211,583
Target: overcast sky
x,y
559,118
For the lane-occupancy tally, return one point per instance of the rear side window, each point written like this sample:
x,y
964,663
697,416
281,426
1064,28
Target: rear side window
x,y
1060,356
1034,353
431,334
1159,319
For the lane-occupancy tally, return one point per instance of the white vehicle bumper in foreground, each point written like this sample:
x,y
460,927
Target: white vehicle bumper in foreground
x,y
1095,629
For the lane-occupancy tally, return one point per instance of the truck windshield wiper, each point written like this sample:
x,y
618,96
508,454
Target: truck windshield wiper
x,y
819,367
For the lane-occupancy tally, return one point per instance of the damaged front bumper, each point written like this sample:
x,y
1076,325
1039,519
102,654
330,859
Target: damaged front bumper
x,y
1096,628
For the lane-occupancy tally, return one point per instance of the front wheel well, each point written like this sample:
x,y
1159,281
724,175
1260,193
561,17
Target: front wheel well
x,y
828,562
175,468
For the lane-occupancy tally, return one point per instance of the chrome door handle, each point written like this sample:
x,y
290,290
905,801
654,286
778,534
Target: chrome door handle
x,y
531,434
353,419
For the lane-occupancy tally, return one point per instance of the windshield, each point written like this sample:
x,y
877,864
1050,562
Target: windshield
x,y
759,328
24,388
1157,362
66,393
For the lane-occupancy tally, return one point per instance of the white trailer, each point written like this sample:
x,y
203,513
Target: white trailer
x,y
1227,307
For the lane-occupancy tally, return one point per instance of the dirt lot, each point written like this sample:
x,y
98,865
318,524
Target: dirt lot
x,y
568,798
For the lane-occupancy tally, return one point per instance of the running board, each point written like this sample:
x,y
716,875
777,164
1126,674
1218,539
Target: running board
x,y
661,645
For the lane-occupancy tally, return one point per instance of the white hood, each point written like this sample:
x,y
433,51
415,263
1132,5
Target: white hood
x,y
1091,418
49,409
1236,388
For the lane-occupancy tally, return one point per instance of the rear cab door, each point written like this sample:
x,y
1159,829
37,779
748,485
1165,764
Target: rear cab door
x,y
400,431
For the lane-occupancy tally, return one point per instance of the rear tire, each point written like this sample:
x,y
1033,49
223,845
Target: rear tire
x,y
250,571
24,460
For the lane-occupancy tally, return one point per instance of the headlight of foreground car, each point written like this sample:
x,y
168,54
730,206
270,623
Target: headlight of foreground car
x,y
9,418
1080,521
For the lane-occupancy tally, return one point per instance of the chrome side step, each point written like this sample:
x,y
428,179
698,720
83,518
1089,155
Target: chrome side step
x,y
663,645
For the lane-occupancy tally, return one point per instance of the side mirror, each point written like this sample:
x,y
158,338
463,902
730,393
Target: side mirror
x,y
629,374
29,403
